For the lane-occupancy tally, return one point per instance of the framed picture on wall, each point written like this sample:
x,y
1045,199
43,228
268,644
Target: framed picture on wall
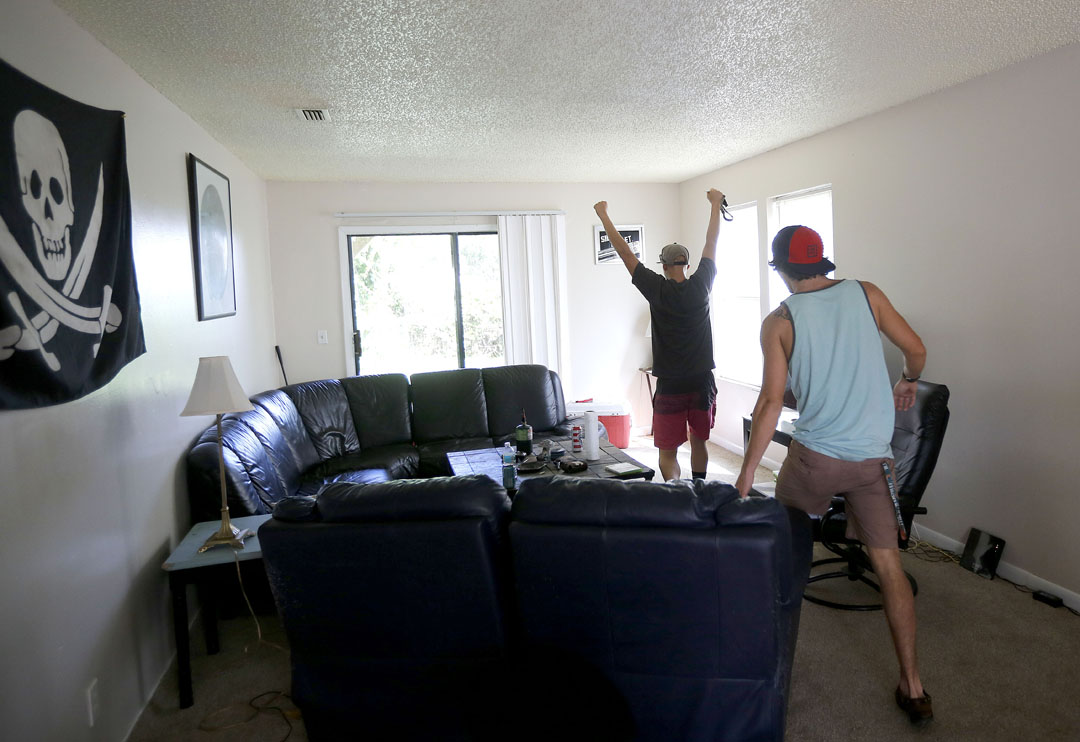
x,y
211,236
605,253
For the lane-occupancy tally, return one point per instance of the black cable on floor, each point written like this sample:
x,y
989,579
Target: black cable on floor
x,y
927,552
257,708
206,725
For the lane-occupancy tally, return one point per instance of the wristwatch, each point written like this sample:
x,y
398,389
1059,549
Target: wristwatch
x,y
910,378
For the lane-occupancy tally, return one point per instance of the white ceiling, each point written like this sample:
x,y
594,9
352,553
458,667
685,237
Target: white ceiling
x,y
551,90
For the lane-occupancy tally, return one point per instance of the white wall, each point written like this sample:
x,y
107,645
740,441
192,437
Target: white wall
x,y
93,491
961,207
608,320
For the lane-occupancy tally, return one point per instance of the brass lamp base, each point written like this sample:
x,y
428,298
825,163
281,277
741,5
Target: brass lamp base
x,y
227,535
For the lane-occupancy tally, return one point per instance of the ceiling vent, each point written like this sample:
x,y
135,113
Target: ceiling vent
x,y
313,114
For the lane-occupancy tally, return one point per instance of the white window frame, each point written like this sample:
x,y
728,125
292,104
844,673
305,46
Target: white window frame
x,y
774,225
768,225
748,210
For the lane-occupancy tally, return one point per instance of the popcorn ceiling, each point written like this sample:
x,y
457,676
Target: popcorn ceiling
x,y
551,90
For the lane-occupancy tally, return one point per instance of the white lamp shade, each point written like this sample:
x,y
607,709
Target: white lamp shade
x,y
216,389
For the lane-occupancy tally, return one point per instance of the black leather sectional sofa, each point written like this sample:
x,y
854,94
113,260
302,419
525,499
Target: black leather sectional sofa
x,y
589,609
361,429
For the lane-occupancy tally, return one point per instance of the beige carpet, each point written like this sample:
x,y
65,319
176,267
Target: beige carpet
x,y
224,686
1000,666
723,464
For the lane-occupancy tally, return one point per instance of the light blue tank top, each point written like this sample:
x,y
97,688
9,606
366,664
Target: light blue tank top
x,y
838,374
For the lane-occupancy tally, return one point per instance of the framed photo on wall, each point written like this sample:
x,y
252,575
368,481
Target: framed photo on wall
x,y
605,253
211,236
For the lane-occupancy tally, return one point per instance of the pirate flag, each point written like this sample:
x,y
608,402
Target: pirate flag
x,y
69,305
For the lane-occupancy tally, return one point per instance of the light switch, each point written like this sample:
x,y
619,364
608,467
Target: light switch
x,y
323,339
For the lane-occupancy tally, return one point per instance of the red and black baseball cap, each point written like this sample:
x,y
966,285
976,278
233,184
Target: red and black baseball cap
x,y
798,251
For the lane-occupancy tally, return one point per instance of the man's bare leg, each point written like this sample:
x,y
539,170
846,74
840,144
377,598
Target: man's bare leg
x,y
900,613
669,464
699,455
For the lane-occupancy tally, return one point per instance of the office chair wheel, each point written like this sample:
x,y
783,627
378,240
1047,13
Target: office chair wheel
x,y
856,566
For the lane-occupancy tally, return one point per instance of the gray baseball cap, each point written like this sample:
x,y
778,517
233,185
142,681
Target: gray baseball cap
x,y
674,254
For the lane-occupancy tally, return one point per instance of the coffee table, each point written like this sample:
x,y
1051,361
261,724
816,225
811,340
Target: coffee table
x,y
489,461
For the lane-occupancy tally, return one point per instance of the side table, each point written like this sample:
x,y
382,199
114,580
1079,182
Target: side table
x,y
186,566
781,435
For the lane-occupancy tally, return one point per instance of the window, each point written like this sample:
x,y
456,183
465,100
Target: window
x,y
736,298
748,289
425,302
811,208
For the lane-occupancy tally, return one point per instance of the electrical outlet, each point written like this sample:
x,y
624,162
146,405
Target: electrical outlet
x,y
91,702
322,337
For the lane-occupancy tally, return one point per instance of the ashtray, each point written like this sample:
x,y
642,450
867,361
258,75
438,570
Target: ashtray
x,y
557,453
528,467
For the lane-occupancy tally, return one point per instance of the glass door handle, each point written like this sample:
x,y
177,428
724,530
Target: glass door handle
x,y
357,348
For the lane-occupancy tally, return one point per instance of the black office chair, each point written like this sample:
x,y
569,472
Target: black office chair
x,y
916,443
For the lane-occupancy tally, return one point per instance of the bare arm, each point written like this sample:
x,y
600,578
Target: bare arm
x,y
776,335
900,334
716,199
628,258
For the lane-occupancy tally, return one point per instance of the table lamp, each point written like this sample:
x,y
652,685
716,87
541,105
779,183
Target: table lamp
x,y
215,392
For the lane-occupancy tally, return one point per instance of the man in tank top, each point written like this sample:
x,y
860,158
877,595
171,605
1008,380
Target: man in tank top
x,y
825,337
684,405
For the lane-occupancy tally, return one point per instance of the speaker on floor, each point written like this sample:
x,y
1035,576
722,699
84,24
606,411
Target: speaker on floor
x,y
982,553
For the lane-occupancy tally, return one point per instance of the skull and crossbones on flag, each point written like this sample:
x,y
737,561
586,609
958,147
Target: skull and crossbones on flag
x,y
69,304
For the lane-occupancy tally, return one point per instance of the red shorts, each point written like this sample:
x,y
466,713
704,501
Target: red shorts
x,y
809,480
674,413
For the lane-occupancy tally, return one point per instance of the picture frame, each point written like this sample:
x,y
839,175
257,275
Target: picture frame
x,y
212,240
605,254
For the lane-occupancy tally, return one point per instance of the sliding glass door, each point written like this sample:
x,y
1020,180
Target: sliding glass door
x,y
426,302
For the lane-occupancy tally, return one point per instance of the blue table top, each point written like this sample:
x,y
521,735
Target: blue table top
x,y
186,554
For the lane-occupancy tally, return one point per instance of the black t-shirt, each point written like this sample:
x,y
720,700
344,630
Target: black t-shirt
x,y
681,329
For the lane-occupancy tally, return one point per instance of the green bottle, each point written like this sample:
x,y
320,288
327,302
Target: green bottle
x,y
523,435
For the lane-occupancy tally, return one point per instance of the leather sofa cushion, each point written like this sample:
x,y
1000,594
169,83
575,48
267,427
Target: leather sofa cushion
x,y
240,440
397,609
683,504
560,401
204,485
448,404
380,408
273,440
440,498
681,605
252,484
312,484
324,408
510,389
613,502
400,461
281,408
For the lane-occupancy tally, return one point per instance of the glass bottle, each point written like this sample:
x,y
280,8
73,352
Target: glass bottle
x,y
523,434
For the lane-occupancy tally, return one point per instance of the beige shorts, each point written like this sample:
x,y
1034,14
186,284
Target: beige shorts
x,y
809,480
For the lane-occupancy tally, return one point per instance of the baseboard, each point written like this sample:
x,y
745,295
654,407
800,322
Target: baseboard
x,y
1010,572
737,448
